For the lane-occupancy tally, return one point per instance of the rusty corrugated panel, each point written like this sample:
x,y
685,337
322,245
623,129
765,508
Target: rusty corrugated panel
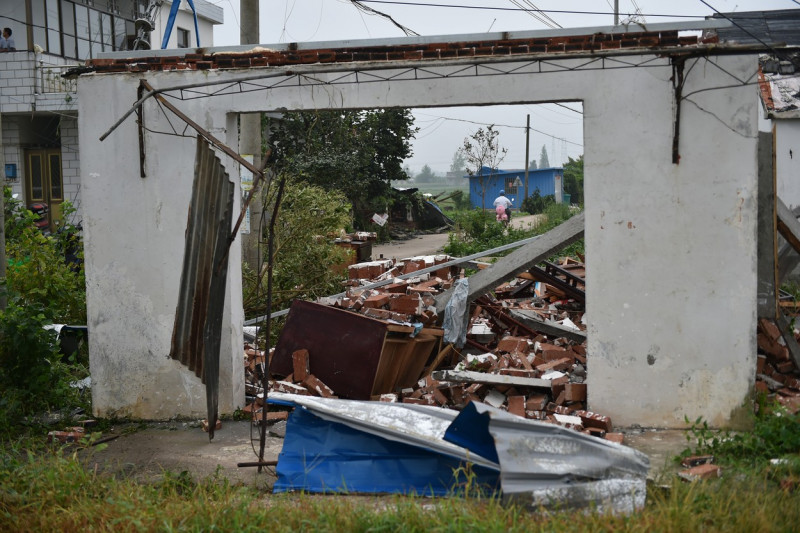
x,y
198,318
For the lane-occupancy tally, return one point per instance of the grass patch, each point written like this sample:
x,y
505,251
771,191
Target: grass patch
x,y
46,488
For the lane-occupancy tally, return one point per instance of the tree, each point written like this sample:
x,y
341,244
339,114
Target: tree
x,y
532,165
356,152
482,149
573,179
426,175
307,263
544,162
459,164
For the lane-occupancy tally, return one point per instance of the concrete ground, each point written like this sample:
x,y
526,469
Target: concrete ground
x,y
145,452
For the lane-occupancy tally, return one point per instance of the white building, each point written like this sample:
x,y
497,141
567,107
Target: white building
x,y
38,108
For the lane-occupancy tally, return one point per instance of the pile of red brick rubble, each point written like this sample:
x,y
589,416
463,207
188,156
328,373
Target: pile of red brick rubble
x,y
525,348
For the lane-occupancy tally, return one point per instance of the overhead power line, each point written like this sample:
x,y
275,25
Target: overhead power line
x,y
505,126
368,10
518,9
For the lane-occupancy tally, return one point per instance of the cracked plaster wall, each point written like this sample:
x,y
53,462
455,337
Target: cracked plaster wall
x,y
671,249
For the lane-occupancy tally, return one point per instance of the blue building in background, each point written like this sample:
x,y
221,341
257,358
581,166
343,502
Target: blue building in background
x,y
486,186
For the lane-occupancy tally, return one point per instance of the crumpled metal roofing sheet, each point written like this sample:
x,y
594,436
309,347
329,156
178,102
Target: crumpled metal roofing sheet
x,y
198,317
356,446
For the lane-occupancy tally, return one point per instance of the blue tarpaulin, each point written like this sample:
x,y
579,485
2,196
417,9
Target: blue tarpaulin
x,y
323,456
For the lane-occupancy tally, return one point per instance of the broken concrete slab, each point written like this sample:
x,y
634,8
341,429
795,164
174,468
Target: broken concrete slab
x,y
465,376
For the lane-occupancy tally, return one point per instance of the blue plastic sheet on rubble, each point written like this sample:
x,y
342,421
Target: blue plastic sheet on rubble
x,y
323,456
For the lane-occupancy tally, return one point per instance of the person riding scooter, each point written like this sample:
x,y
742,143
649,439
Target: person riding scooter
x,y
504,214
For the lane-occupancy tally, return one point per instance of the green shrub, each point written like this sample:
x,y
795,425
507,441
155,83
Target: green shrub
x,y
306,257
37,273
41,288
478,230
775,434
536,203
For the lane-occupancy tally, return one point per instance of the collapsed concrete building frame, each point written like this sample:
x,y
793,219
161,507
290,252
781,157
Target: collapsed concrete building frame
x,y
653,244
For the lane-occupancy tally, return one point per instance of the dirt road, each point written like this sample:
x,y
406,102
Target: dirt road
x,y
433,243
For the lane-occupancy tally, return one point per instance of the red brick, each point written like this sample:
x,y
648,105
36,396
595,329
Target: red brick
x,y
559,364
706,471
291,388
316,386
785,367
407,304
439,396
761,361
518,345
696,460
575,392
595,420
615,437
377,300
516,405
554,354
417,401
790,403
300,365
772,348
536,402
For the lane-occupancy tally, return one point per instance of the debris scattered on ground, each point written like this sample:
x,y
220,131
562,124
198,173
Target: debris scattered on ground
x,y
525,350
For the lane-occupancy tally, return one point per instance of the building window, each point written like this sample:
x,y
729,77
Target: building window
x,y
511,186
183,38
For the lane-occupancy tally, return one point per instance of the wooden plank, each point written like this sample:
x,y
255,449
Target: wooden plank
x,y
788,225
466,376
438,360
436,332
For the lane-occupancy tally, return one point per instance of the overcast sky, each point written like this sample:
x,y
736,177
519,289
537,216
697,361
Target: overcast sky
x,y
442,130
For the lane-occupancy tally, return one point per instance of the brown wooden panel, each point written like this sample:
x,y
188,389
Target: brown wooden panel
x,y
344,347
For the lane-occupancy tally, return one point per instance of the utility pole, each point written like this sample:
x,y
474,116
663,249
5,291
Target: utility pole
x,y
527,154
250,136
616,12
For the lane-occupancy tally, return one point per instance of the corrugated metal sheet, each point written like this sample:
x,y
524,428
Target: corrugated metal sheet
x,y
198,318
349,446
762,27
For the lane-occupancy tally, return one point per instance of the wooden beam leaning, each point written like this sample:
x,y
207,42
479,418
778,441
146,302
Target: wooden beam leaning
x,y
787,332
520,260
788,225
